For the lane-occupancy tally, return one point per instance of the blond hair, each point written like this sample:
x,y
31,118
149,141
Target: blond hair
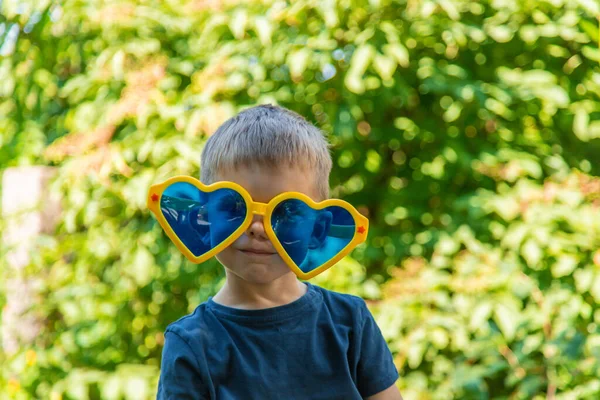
x,y
267,135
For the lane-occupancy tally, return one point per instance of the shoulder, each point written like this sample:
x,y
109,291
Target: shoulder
x,y
342,305
192,328
340,300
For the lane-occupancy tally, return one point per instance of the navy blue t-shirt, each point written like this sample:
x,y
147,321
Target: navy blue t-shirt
x,y
324,345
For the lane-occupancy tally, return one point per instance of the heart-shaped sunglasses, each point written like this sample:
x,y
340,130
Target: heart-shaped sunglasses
x,y
202,220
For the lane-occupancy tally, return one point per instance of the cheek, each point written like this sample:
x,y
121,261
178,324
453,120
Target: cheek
x,y
226,257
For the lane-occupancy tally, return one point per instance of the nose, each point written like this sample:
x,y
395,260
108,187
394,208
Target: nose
x,y
256,228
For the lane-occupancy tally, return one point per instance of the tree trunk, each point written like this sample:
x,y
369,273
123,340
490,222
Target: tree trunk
x,y
28,210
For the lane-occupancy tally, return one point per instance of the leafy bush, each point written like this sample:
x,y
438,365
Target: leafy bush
x,y
457,127
514,316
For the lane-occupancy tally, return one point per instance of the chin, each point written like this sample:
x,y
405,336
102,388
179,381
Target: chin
x,y
260,273
254,272
260,279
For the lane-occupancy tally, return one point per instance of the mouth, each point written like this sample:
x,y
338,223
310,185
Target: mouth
x,y
255,252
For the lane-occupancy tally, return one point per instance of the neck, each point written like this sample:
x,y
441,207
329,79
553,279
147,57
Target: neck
x,y
238,293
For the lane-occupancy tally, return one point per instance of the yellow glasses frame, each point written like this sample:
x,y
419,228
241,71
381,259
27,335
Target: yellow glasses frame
x,y
263,209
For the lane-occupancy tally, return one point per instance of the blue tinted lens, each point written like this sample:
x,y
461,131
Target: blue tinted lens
x,y
202,220
311,237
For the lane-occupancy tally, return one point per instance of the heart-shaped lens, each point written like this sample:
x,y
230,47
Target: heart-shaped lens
x,y
312,237
202,220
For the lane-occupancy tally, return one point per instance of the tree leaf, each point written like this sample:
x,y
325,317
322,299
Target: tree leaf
x,y
507,320
564,265
399,52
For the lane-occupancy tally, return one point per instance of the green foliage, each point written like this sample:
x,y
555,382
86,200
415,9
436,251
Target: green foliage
x,y
513,316
456,127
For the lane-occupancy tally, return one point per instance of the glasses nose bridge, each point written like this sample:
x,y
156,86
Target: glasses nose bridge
x,y
259,208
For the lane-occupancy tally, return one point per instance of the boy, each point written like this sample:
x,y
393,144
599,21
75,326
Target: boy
x,y
265,334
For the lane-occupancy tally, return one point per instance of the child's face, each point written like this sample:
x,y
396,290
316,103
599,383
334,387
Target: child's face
x,y
252,257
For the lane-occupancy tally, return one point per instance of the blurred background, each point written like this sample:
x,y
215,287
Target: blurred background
x,y
468,132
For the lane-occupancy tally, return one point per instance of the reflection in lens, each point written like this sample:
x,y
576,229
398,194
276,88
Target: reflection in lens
x,y
202,220
311,237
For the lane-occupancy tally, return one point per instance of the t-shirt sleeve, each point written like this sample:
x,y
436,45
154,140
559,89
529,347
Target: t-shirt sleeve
x,y
375,370
180,376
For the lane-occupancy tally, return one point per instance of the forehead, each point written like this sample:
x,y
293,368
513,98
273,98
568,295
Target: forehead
x,y
264,182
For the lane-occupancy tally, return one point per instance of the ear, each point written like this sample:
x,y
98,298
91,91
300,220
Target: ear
x,y
320,229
